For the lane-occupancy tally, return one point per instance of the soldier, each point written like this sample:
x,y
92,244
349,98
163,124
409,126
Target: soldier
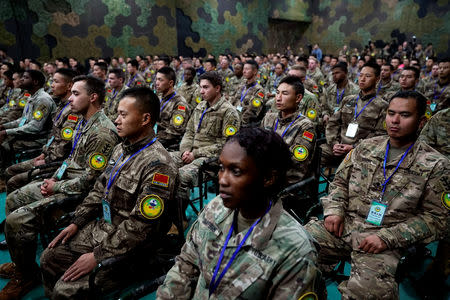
x,y
210,65
386,83
100,70
174,111
426,72
212,121
436,132
50,70
29,131
249,99
126,222
274,81
93,142
189,90
232,86
278,259
334,94
116,79
135,79
395,62
314,72
176,63
14,107
408,80
353,68
358,117
438,93
10,92
225,72
388,194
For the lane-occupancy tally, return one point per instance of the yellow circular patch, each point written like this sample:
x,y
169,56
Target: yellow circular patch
x,y
311,114
149,79
230,130
322,82
428,113
178,119
67,133
384,124
265,77
309,296
256,102
37,114
300,152
446,199
227,79
97,161
151,206
198,99
22,103
12,103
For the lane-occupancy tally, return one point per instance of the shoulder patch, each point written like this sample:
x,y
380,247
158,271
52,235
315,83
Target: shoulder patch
x,y
308,296
256,102
138,83
22,102
348,156
67,133
178,120
311,114
261,95
300,152
109,90
227,79
151,206
309,136
230,130
38,115
428,113
72,118
161,179
182,107
384,124
446,199
97,161
12,103
27,95
198,99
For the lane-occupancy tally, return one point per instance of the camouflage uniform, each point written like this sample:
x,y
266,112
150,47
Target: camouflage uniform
x,y
231,89
263,75
146,179
277,261
436,132
14,105
226,75
438,95
249,101
48,85
353,73
300,137
317,76
112,102
414,214
24,206
310,107
311,86
371,122
149,76
56,149
180,77
173,119
273,82
329,100
382,89
135,81
396,75
205,141
191,93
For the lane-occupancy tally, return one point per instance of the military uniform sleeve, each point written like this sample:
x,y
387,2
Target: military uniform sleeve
x,y
179,118
333,128
431,223
380,127
187,142
255,105
326,109
428,133
305,138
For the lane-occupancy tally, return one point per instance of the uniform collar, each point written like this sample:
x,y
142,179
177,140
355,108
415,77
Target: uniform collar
x,y
92,120
132,148
288,119
366,97
215,106
380,153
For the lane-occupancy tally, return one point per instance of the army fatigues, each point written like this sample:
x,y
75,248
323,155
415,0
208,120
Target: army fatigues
x,y
332,97
24,206
310,107
317,76
391,86
141,205
249,101
436,132
56,149
277,261
136,81
231,89
149,76
396,75
112,102
174,115
438,95
226,75
414,213
13,108
48,85
273,82
311,86
191,93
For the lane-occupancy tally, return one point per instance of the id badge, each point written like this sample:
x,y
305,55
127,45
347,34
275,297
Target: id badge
x,y
336,109
433,106
22,122
61,170
352,129
376,213
239,108
106,211
50,141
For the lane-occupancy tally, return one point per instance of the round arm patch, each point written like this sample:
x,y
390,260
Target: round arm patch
x,y
97,161
256,102
38,115
230,130
446,199
300,152
178,120
311,114
67,133
151,206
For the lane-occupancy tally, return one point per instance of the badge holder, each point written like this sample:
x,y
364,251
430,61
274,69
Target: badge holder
x,y
61,170
22,122
352,129
433,106
376,212
50,141
239,108
106,211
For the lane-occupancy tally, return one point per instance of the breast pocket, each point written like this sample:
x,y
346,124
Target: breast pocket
x,y
126,187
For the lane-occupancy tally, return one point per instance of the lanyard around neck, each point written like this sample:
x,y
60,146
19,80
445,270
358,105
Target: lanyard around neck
x,y
284,132
356,106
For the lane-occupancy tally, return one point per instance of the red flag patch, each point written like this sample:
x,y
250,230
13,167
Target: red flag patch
x,y
261,95
138,83
26,95
160,179
72,118
181,107
309,136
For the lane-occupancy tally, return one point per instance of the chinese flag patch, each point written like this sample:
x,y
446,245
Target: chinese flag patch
x,y
160,179
138,83
261,95
309,136
27,95
72,118
181,107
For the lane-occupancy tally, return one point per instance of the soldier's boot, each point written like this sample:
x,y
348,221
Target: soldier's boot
x,y
18,287
8,270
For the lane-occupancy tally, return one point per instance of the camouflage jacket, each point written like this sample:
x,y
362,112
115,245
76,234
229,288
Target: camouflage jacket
x,y
438,95
231,88
97,138
173,117
312,86
300,136
207,138
36,117
310,107
273,82
112,102
317,76
371,121
277,261
149,76
382,89
191,93
13,106
415,194
135,81
436,132
331,99
140,199
59,144
249,101
225,74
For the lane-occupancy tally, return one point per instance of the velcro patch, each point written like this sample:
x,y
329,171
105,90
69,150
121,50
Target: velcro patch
x,y
38,115
348,156
230,130
161,179
261,95
198,99
309,136
67,133
311,114
22,102
300,152
27,95
446,199
182,107
138,83
151,206
178,120
97,161
308,296
72,118
256,102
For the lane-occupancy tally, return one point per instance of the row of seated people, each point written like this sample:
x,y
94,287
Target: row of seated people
x,y
212,121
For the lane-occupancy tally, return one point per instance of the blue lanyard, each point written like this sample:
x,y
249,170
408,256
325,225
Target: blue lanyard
x,y
386,180
131,80
59,115
162,107
277,79
114,95
339,96
380,86
9,95
437,96
246,91
111,177
284,132
356,106
77,135
215,283
201,119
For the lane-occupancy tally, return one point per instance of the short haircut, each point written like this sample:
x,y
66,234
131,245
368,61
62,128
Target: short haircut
x,y
282,65
269,153
298,68
391,67
102,65
295,82
212,61
68,74
414,70
93,85
421,101
395,57
146,101
9,65
134,63
169,73
8,74
253,63
38,76
376,68
444,60
213,77
341,65
165,59
118,72
192,70
33,61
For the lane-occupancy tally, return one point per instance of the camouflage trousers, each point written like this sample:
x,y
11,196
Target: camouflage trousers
x,y
17,175
11,146
372,276
10,116
328,159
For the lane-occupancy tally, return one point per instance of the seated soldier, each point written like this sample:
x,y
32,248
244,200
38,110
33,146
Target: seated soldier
x,y
31,130
436,132
135,194
59,144
408,80
15,104
438,92
174,110
212,121
10,94
386,196
386,83
190,90
135,79
116,78
266,253
358,117
93,142
231,87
